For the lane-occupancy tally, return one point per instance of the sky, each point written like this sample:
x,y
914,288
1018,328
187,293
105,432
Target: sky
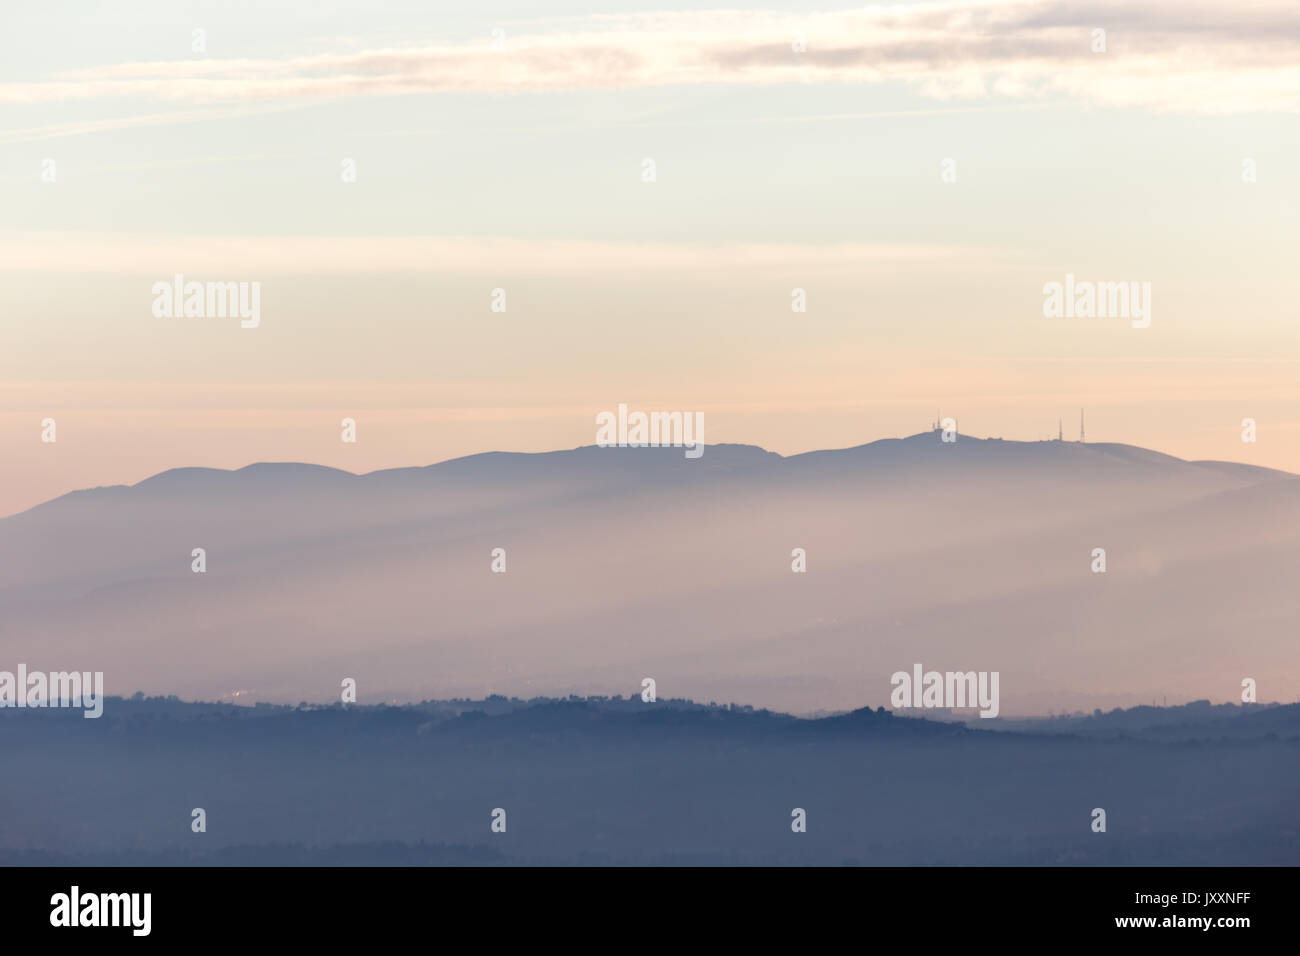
x,y
919,170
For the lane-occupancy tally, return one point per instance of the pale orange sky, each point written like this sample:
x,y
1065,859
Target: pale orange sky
x,y
130,157
893,332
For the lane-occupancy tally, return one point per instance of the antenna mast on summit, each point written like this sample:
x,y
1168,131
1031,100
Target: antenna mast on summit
x,y
1081,426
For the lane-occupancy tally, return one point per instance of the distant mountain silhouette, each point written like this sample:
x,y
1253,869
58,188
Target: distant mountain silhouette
x,y
877,460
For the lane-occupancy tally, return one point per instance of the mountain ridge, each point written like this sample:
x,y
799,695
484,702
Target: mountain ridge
x,y
739,456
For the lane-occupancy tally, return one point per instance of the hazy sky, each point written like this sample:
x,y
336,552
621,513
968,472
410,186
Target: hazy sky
x,y
521,169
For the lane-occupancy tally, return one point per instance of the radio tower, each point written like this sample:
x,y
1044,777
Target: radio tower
x,y
1060,431
1081,426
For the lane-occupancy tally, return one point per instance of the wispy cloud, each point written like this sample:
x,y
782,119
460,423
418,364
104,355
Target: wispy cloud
x,y
1185,55
48,131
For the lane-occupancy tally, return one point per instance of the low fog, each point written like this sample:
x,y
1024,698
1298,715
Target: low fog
x,y
626,563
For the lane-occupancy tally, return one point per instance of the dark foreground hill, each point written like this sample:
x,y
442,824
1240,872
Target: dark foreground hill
x,y
622,782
